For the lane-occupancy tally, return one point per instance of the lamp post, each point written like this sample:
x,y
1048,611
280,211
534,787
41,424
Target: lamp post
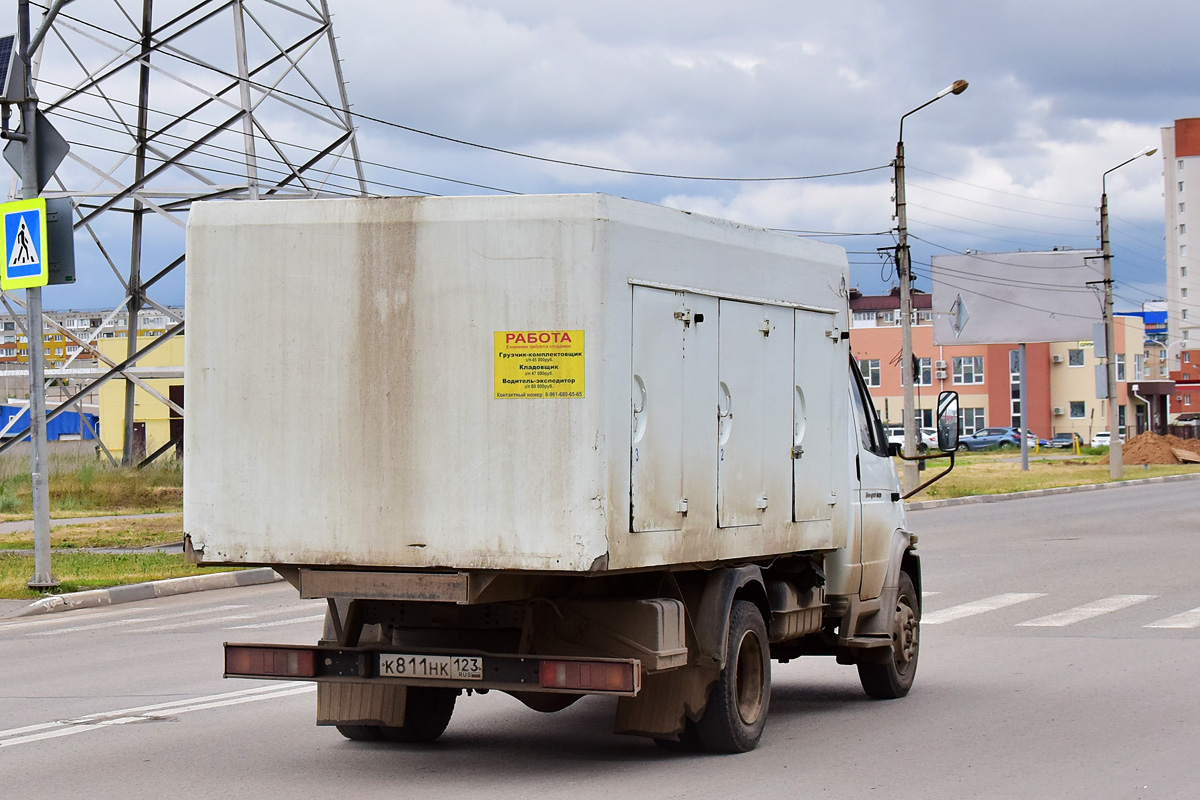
x,y
903,269
1116,466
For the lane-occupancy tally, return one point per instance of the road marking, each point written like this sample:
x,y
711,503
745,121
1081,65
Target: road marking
x,y
1188,619
68,727
230,617
134,620
983,606
1087,611
60,617
275,624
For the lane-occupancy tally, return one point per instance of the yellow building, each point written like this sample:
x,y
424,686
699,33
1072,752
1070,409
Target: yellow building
x,y
154,423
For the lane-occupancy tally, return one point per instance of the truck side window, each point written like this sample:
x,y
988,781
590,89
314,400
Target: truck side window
x,y
870,430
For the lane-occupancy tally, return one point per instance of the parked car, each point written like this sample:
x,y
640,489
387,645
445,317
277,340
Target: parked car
x,y
990,437
1065,440
1034,441
1103,439
926,437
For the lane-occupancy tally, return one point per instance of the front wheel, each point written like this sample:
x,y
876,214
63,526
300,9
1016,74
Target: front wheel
x,y
962,448
736,712
892,675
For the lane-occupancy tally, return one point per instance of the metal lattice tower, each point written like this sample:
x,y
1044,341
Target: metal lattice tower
x,y
168,103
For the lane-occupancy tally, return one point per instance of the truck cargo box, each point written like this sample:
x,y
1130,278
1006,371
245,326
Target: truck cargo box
x,y
566,383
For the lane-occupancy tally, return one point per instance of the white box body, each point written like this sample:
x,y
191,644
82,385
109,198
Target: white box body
x,y
343,405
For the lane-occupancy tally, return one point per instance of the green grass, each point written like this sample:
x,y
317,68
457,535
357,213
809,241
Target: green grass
x,y
994,473
127,533
82,485
82,571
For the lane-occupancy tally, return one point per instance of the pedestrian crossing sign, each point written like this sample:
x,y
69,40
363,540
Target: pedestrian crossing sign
x,y
25,259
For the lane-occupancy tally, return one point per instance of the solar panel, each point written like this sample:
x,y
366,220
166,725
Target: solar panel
x,y
6,67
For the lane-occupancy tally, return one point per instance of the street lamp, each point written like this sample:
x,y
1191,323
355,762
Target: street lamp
x,y
903,269
1116,466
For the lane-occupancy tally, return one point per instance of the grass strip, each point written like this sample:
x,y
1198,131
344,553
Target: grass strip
x,y
82,571
997,474
128,533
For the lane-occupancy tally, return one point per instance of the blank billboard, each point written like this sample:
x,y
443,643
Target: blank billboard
x,y
1002,298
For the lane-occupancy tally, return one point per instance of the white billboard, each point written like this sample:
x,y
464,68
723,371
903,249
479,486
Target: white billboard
x,y
1026,297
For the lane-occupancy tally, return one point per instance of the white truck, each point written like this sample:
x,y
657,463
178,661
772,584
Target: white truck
x,y
553,446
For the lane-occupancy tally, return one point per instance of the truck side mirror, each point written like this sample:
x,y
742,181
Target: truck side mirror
x,y
947,421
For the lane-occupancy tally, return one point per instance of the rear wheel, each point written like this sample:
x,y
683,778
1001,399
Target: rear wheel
x,y
361,733
427,712
892,676
736,712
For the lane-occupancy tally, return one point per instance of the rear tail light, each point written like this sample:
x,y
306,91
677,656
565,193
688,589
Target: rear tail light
x,y
277,662
603,676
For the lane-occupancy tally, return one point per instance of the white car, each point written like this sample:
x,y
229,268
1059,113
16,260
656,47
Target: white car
x,y
1103,439
926,437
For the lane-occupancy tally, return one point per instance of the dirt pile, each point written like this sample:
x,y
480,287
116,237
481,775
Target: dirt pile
x,y
1152,448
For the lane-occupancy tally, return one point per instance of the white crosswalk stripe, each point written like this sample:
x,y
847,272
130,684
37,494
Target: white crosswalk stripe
x,y
993,603
1188,619
1091,610
132,621
278,624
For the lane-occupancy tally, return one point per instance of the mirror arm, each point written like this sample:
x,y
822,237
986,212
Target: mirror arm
x,y
935,478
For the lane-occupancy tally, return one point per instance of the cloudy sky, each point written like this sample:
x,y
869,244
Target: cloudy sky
x,y
1059,93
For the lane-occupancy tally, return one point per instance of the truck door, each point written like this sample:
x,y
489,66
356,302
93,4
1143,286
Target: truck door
x,y
674,368
878,489
812,416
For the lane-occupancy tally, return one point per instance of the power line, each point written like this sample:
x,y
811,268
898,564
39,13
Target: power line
x,y
993,205
1001,191
480,146
997,225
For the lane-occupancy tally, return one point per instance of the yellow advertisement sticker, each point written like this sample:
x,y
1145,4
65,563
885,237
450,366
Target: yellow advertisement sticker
x,y
538,364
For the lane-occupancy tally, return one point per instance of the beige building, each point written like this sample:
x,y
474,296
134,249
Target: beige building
x,y
155,424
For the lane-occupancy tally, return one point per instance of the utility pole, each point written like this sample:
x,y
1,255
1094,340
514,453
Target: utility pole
x,y
1116,467
904,270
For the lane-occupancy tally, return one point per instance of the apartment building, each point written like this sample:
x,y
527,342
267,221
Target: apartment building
x,y
1060,376
1181,196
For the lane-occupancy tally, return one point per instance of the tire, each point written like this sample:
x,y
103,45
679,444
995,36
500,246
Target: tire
x,y
361,733
688,741
962,448
427,712
892,676
736,712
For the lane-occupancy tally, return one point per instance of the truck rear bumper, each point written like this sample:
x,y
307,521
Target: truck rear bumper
x,y
456,670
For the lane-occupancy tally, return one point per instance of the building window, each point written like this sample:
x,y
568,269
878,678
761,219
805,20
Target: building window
x,y
968,369
1184,312
1181,186
1182,206
1182,250
970,420
1139,366
869,367
1182,227
924,372
10,326
1075,357
73,349
1120,366
1187,399
1078,409
1179,165
1183,272
1183,292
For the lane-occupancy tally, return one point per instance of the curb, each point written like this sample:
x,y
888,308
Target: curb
x,y
1090,487
147,591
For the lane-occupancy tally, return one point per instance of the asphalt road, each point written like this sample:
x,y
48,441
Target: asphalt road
x,y
1060,659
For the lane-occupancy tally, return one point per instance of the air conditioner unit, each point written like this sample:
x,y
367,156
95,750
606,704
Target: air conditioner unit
x,y
941,374
1059,410
940,364
1057,358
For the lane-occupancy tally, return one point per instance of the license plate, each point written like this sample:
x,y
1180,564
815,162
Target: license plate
x,y
447,668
